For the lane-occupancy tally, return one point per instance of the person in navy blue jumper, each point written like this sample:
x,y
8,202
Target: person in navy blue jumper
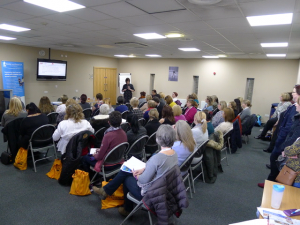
x,y
121,108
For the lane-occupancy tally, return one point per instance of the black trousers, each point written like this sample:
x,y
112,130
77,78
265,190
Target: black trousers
x,y
273,140
274,169
269,125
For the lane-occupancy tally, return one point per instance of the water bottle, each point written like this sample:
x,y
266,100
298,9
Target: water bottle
x,y
277,194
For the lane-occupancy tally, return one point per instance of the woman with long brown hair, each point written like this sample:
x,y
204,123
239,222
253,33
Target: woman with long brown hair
x,y
167,116
45,105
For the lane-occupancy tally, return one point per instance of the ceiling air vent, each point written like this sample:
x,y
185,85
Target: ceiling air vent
x,y
131,45
204,2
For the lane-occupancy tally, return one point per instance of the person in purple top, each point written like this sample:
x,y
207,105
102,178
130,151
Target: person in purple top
x,y
177,111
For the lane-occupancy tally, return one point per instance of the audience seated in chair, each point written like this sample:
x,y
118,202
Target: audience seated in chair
x,y
195,97
159,105
238,103
121,107
62,107
34,120
74,123
175,99
144,105
107,101
215,102
142,98
152,105
62,114
83,103
151,127
134,102
101,120
219,118
167,116
113,136
99,99
210,127
190,110
285,102
177,111
162,98
232,105
154,94
15,111
208,104
246,105
136,131
225,126
138,182
45,105
169,101
199,131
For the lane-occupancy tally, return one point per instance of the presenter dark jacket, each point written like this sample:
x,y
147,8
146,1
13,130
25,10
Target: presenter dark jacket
x,y
127,93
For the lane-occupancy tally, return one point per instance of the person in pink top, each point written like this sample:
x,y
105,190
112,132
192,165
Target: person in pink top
x,y
190,111
177,111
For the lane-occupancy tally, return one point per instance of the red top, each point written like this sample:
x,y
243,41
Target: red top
x,y
110,140
189,114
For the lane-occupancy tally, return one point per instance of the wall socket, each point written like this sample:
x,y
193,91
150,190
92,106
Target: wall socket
x,y
76,90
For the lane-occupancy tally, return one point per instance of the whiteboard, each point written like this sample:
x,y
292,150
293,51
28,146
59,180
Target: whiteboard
x,y
122,78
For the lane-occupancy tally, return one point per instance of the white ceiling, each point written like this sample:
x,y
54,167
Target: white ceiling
x,y
215,29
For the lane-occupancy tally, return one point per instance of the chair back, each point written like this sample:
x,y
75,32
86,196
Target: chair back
x,y
52,117
185,166
87,113
227,135
124,115
99,135
125,126
137,148
96,112
42,136
142,122
116,155
201,149
152,140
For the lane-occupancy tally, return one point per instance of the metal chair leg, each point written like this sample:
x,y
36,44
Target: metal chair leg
x,y
33,161
226,157
133,211
192,179
202,172
190,187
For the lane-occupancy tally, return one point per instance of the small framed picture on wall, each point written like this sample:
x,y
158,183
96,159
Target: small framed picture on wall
x,y
173,73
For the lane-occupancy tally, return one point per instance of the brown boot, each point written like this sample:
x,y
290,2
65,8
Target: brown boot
x,y
100,191
123,212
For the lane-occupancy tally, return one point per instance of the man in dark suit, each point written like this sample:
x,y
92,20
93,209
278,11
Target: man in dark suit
x,y
154,94
159,106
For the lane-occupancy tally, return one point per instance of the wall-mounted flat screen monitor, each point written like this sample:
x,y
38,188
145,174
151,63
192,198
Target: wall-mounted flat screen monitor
x,y
48,69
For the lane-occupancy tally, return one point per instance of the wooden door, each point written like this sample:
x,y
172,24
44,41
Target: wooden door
x,y
105,82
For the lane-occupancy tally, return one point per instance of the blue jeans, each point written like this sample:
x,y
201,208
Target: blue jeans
x,y
88,161
129,185
274,169
297,185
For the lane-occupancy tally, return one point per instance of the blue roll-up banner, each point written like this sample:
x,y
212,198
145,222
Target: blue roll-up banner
x,y
13,78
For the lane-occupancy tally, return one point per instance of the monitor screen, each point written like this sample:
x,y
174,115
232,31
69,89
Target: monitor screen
x,y
51,69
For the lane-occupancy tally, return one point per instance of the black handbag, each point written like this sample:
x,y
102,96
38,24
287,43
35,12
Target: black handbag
x,y
6,158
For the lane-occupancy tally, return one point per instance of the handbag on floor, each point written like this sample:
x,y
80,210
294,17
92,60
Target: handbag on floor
x,y
21,159
114,200
286,176
80,184
55,171
6,158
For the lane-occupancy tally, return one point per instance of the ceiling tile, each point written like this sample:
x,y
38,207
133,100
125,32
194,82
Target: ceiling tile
x,y
90,26
89,14
143,20
191,25
63,18
4,2
119,9
177,16
229,23
9,15
114,23
267,7
42,21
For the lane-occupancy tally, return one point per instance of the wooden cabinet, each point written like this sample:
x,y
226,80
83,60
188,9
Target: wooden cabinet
x,y
105,82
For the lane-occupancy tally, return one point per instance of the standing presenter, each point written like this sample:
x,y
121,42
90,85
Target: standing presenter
x,y
127,89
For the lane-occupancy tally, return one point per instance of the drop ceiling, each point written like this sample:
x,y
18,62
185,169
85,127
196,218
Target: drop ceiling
x,y
221,28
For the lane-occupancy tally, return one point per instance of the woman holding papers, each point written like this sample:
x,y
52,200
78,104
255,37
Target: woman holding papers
x,y
138,182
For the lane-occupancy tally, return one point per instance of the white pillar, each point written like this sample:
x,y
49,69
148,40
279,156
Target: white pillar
x,y
298,77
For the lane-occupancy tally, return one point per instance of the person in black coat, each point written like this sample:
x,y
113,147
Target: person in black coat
x,y
34,120
136,131
159,106
127,89
151,127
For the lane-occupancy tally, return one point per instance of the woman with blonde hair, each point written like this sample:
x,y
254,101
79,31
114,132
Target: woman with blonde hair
x,y
199,131
169,101
134,102
61,115
14,111
246,105
232,105
195,98
162,98
45,105
227,124
151,104
177,111
107,101
145,107
74,123
215,101
208,104
185,143
218,118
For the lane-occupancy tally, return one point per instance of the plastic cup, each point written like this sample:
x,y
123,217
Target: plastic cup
x,y
277,195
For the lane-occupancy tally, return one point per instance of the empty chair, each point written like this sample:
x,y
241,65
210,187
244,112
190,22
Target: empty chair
x,y
41,139
99,136
52,118
125,126
87,114
124,115
226,141
151,145
137,149
142,122
115,156
198,155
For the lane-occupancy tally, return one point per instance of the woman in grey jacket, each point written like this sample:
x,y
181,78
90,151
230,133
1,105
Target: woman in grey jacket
x,y
246,104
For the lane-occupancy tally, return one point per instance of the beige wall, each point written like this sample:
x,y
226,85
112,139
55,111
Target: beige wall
x,y
80,67
272,77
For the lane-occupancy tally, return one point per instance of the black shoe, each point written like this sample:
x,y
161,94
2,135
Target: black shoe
x,y
268,166
258,137
267,150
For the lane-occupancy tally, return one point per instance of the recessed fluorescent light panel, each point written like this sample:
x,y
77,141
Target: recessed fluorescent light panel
x,y
122,56
210,57
12,28
189,49
7,38
56,5
269,45
276,19
150,36
222,56
153,55
174,35
276,55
